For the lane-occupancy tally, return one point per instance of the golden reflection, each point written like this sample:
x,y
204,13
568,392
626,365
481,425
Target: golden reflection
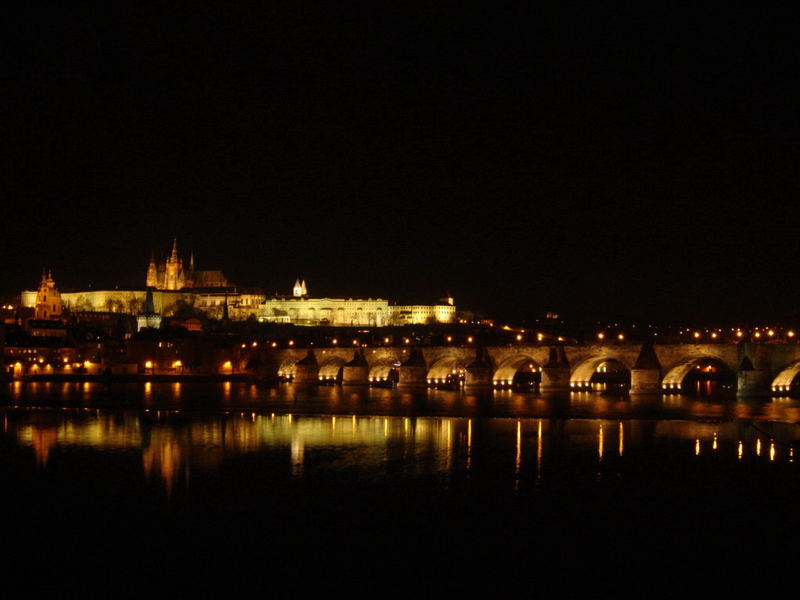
x,y
600,443
43,440
740,450
714,443
772,451
539,450
469,444
621,438
518,458
697,447
758,446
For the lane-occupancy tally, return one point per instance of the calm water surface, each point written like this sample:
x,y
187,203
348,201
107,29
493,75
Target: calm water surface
x,y
195,476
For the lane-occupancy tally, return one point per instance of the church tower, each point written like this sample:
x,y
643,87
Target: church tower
x,y
48,299
174,278
298,289
152,273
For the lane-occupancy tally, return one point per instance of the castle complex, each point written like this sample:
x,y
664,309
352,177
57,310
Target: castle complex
x,y
170,274
172,283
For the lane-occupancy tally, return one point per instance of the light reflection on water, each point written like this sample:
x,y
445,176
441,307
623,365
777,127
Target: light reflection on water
x,y
385,401
171,445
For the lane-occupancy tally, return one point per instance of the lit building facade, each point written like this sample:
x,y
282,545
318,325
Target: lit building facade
x,y
300,309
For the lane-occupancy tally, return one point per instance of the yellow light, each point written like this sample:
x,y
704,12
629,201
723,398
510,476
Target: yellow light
x,y
621,336
601,336
539,337
385,340
770,333
244,345
66,359
739,334
148,364
355,342
449,338
41,360
757,334
87,364
469,339
714,335
334,341
274,344
227,364
254,344
406,340
177,363
790,333
519,337
291,342
696,334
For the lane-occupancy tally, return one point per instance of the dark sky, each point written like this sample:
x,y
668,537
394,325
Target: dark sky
x,y
631,163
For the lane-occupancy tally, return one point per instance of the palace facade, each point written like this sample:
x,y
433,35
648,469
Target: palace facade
x,y
300,309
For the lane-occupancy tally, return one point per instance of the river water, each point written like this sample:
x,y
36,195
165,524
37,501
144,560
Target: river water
x,y
206,479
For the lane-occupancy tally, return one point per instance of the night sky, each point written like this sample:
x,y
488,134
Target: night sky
x,y
637,164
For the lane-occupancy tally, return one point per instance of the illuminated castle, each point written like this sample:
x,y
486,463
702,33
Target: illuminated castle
x,y
170,274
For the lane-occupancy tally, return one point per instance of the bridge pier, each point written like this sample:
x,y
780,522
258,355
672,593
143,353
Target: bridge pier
x,y
413,372
555,372
306,370
356,372
646,373
478,374
751,381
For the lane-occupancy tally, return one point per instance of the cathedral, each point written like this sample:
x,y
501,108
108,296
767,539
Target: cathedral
x,y
170,274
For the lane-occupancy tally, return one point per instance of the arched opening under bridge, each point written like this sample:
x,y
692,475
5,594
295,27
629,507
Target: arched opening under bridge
x,y
384,374
286,370
448,371
602,374
787,382
701,376
330,371
518,371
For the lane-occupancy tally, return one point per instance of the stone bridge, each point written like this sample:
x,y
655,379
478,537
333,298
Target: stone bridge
x,y
759,368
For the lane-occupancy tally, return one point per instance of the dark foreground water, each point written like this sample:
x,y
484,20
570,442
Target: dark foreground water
x,y
366,492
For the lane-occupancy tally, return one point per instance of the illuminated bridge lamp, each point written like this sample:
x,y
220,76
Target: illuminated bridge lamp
x,y
790,334
334,341
621,336
757,334
696,334
519,337
601,336
770,333
449,338
291,342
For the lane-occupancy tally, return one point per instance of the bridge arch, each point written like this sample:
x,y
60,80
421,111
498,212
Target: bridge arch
x,y
599,367
786,377
286,369
331,369
512,366
384,371
445,369
675,376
